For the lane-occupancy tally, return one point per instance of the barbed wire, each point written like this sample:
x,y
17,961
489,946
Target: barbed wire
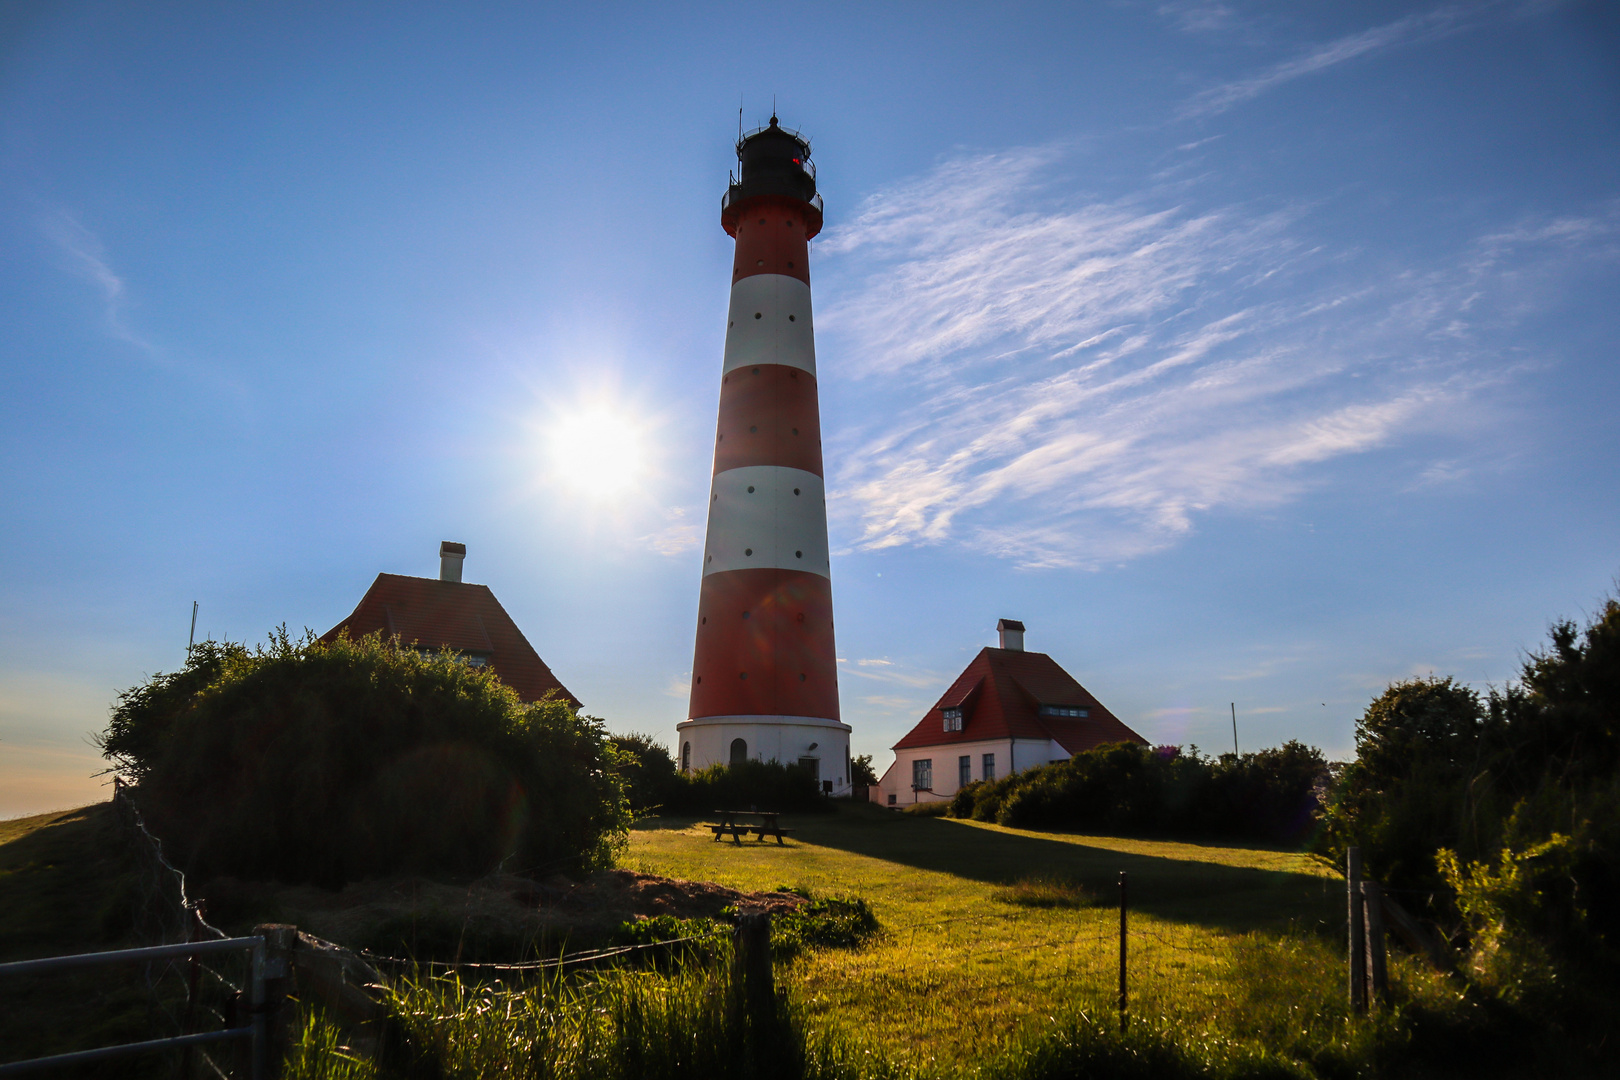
x,y
164,914
566,960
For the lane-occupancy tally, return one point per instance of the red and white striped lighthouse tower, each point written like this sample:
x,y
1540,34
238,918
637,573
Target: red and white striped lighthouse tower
x,y
764,673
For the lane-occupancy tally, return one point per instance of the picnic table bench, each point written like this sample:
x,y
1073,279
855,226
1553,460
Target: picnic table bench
x,y
729,825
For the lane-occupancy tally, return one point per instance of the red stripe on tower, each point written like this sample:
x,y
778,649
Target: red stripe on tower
x,y
764,671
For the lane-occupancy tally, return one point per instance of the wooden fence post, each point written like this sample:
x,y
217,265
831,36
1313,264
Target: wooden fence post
x,y
1122,950
751,972
1377,963
1357,943
270,1013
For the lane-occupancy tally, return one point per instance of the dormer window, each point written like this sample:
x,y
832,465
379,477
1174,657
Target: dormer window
x,y
953,719
1080,711
471,659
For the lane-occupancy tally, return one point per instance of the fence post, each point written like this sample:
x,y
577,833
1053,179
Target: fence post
x,y
751,970
193,933
272,981
1123,908
1377,964
1357,944
257,1056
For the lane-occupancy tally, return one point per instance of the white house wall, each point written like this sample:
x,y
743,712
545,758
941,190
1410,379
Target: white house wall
x,y
1012,755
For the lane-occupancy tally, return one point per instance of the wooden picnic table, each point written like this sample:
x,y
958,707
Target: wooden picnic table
x,y
730,825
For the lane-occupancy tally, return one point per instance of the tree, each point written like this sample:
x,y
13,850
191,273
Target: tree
x,y
1407,792
1506,811
648,770
861,771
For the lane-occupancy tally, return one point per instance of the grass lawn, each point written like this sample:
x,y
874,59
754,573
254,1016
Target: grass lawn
x,y
1246,940
65,887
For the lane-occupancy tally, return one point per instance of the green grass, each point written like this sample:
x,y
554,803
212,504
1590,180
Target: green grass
x,y
995,958
1046,891
986,935
67,886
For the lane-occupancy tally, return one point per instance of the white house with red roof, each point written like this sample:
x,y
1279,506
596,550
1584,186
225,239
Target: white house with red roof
x,y
1010,710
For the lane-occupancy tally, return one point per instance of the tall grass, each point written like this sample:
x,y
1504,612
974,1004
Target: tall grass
x,y
1282,1017
621,1023
1045,891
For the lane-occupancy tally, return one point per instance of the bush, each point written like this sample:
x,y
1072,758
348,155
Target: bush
x,y
767,785
1123,787
1505,812
1407,792
327,763
648,771
834,922
655,785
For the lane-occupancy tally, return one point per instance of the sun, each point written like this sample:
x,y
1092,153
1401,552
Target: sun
x,y
597,452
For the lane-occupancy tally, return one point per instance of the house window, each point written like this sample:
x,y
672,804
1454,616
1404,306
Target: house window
x,y
922,774
964,770
893,799
811,765
471,659
989,767
953,719
686,757
739,751
1065,710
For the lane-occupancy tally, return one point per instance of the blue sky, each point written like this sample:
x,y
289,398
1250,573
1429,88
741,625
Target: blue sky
x,y
1248,353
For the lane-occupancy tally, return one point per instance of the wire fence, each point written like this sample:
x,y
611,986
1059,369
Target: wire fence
x,y
188,994
582,958
1103,951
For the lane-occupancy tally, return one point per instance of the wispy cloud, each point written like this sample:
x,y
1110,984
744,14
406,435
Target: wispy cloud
x,y
677,537
887,671
1197,16
87,258
1070,384
1415,27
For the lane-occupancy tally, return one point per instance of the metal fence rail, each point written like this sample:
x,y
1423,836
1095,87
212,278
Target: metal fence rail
x,y
255,1030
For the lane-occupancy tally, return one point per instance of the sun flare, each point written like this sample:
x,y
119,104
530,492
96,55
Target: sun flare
x,y
597,452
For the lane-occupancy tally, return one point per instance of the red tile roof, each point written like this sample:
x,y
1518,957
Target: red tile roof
x,y
438,614
1000,694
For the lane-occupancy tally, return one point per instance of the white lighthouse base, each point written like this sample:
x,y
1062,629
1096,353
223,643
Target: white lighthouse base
x,y
791,740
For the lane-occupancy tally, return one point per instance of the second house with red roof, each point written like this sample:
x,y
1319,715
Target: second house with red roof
x,y
1010,710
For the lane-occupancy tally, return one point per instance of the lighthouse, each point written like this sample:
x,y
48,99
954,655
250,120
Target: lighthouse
x,y
764,671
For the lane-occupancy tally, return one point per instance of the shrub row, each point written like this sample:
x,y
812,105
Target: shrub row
x,y
655,785
1123,787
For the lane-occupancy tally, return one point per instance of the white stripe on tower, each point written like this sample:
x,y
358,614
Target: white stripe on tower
x,y
770,323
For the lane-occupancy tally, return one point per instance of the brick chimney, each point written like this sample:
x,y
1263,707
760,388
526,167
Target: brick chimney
x,y
1012,634
450,556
